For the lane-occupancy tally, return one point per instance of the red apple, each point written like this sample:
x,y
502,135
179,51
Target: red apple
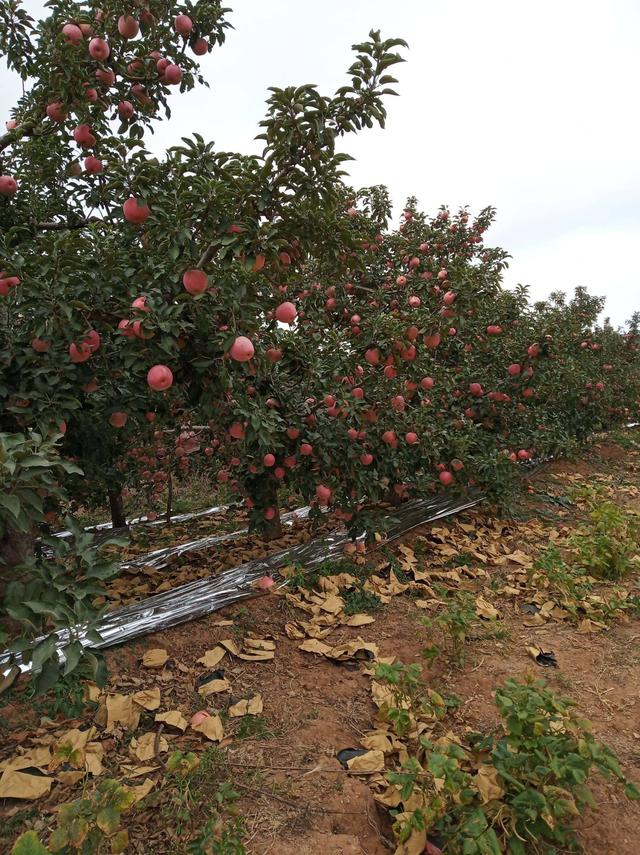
x,y
72,34
286,313
242,349
195,281
159,378
200,47
183,24
125,109
172,74
323,493
99,49
8,185
128,27
118,420
93,165
135,211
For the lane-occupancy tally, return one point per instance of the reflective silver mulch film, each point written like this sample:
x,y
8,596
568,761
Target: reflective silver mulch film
x,y
160,557
162,520
203,596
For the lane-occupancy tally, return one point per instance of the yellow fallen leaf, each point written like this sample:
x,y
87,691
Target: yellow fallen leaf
x,y
71,778
154,658
372,761
354,650
214,687
359,620
259,644
20,785
92,692
130,771
488,784
211,657
587,625
292,631
142,790
390,798
211,727
121,710
143,747
223,623
257,655
534,620
173,718
312,645
378,741
230,645
332,604
149,699
519,557
252,706
485,609
94,753
38,758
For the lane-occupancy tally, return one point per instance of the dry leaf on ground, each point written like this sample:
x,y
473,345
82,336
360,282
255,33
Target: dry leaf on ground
x,y
155,658
252,706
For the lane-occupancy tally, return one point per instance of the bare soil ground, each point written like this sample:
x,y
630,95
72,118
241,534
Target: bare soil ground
x,y
295,797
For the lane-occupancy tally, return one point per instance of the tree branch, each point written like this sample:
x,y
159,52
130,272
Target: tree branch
x,y
55,226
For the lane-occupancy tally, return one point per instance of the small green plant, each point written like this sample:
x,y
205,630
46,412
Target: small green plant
x,y
450,627
359,600
59,593
253,727
515,793
30,468
192,783
223,832
411,696
85,826
607,546
67,698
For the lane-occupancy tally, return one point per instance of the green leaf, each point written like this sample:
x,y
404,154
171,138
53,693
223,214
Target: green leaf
x,y
631,791
29,844
43,651
73,654
119,841
11,503
108,819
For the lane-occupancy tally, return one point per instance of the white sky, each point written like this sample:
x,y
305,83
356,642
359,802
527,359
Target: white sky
x,y
528,106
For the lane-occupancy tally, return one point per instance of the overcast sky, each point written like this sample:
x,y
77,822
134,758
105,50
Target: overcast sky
x,y
529,107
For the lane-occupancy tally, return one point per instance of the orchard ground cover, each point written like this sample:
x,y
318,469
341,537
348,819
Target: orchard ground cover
x,y
468,602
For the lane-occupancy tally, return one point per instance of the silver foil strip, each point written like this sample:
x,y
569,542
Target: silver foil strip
x,y
199,598
160,557
161,520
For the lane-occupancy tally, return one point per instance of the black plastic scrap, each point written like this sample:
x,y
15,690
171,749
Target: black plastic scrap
x,y
195,599
348,754
547,659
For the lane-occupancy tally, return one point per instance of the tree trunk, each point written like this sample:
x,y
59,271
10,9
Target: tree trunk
x,y
15,547
118,518
263,491
169,497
